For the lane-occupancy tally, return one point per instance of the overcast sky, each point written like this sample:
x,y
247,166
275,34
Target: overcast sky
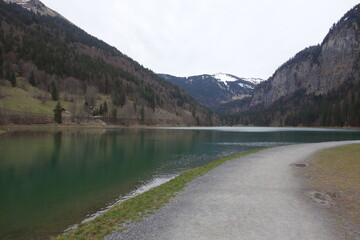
x,y
247,38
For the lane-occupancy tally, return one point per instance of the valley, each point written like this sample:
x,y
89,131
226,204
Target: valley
x,y
319,86
91,139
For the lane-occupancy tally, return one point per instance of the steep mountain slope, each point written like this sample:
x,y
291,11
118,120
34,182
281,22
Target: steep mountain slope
x,y
214,90
36,6
38,48
319,86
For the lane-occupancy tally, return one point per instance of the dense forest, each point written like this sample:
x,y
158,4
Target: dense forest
x,y
338,108
52,54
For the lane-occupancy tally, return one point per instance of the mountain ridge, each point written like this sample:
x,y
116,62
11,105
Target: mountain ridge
x,y
37,7
213,90
47,52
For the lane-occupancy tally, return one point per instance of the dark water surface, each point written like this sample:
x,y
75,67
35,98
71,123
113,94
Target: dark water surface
x,y
51,180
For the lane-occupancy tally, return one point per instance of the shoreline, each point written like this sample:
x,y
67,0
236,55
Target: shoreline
x,y
142,205
240,202
140,190
140,218
8,128
102,131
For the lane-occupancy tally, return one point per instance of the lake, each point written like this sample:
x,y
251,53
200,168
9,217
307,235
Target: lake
x,y
51,180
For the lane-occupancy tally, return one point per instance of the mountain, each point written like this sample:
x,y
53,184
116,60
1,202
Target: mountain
x,y
215,90
44,59
319,86
36,6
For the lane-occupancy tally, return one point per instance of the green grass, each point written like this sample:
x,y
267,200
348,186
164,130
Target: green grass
x,y
2,131
136,208
27,99
336,171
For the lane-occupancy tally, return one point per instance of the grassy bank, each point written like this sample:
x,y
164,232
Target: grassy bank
x,y
136,208
2,131
336,171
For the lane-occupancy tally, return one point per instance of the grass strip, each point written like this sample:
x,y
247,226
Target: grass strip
x,y
136,208
336,171
2,131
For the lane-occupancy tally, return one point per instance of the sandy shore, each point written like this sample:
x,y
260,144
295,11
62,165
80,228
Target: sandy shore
x,y
261,196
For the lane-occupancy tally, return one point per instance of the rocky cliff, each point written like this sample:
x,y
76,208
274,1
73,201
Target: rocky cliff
x,y
317,70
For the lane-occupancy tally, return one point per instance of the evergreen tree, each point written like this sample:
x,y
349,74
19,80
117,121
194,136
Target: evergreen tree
x,y
105,107
118,94
13,79
57,113
86,107
32,80
54,92
96,112
114,113
7,70
323,118
101,110
2,75
142,114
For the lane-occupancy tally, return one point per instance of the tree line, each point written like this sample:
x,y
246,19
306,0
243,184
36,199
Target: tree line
x,y
338,108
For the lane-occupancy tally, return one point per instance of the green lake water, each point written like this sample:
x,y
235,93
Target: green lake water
x,y
52,180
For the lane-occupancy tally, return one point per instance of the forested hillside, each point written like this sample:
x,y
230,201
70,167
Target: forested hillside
x,y
49,59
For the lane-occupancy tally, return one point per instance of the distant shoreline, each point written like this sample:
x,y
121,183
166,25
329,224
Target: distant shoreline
x,y
110,126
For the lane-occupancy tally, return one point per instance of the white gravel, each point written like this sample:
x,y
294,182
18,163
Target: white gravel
x,y
257,197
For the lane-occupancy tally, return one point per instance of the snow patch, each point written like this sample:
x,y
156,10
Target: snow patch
x,y
24,2
245,85
35,6
254,80
222,86
20,2
223,77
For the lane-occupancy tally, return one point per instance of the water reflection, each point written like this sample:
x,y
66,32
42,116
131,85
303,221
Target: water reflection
x,y
50,180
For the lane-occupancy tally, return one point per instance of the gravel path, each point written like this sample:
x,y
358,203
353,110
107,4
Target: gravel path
x,y
261,196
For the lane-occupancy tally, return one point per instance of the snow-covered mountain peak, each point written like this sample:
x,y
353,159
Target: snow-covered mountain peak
x,y
17,1
213,90
226,78
223,77
36,6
